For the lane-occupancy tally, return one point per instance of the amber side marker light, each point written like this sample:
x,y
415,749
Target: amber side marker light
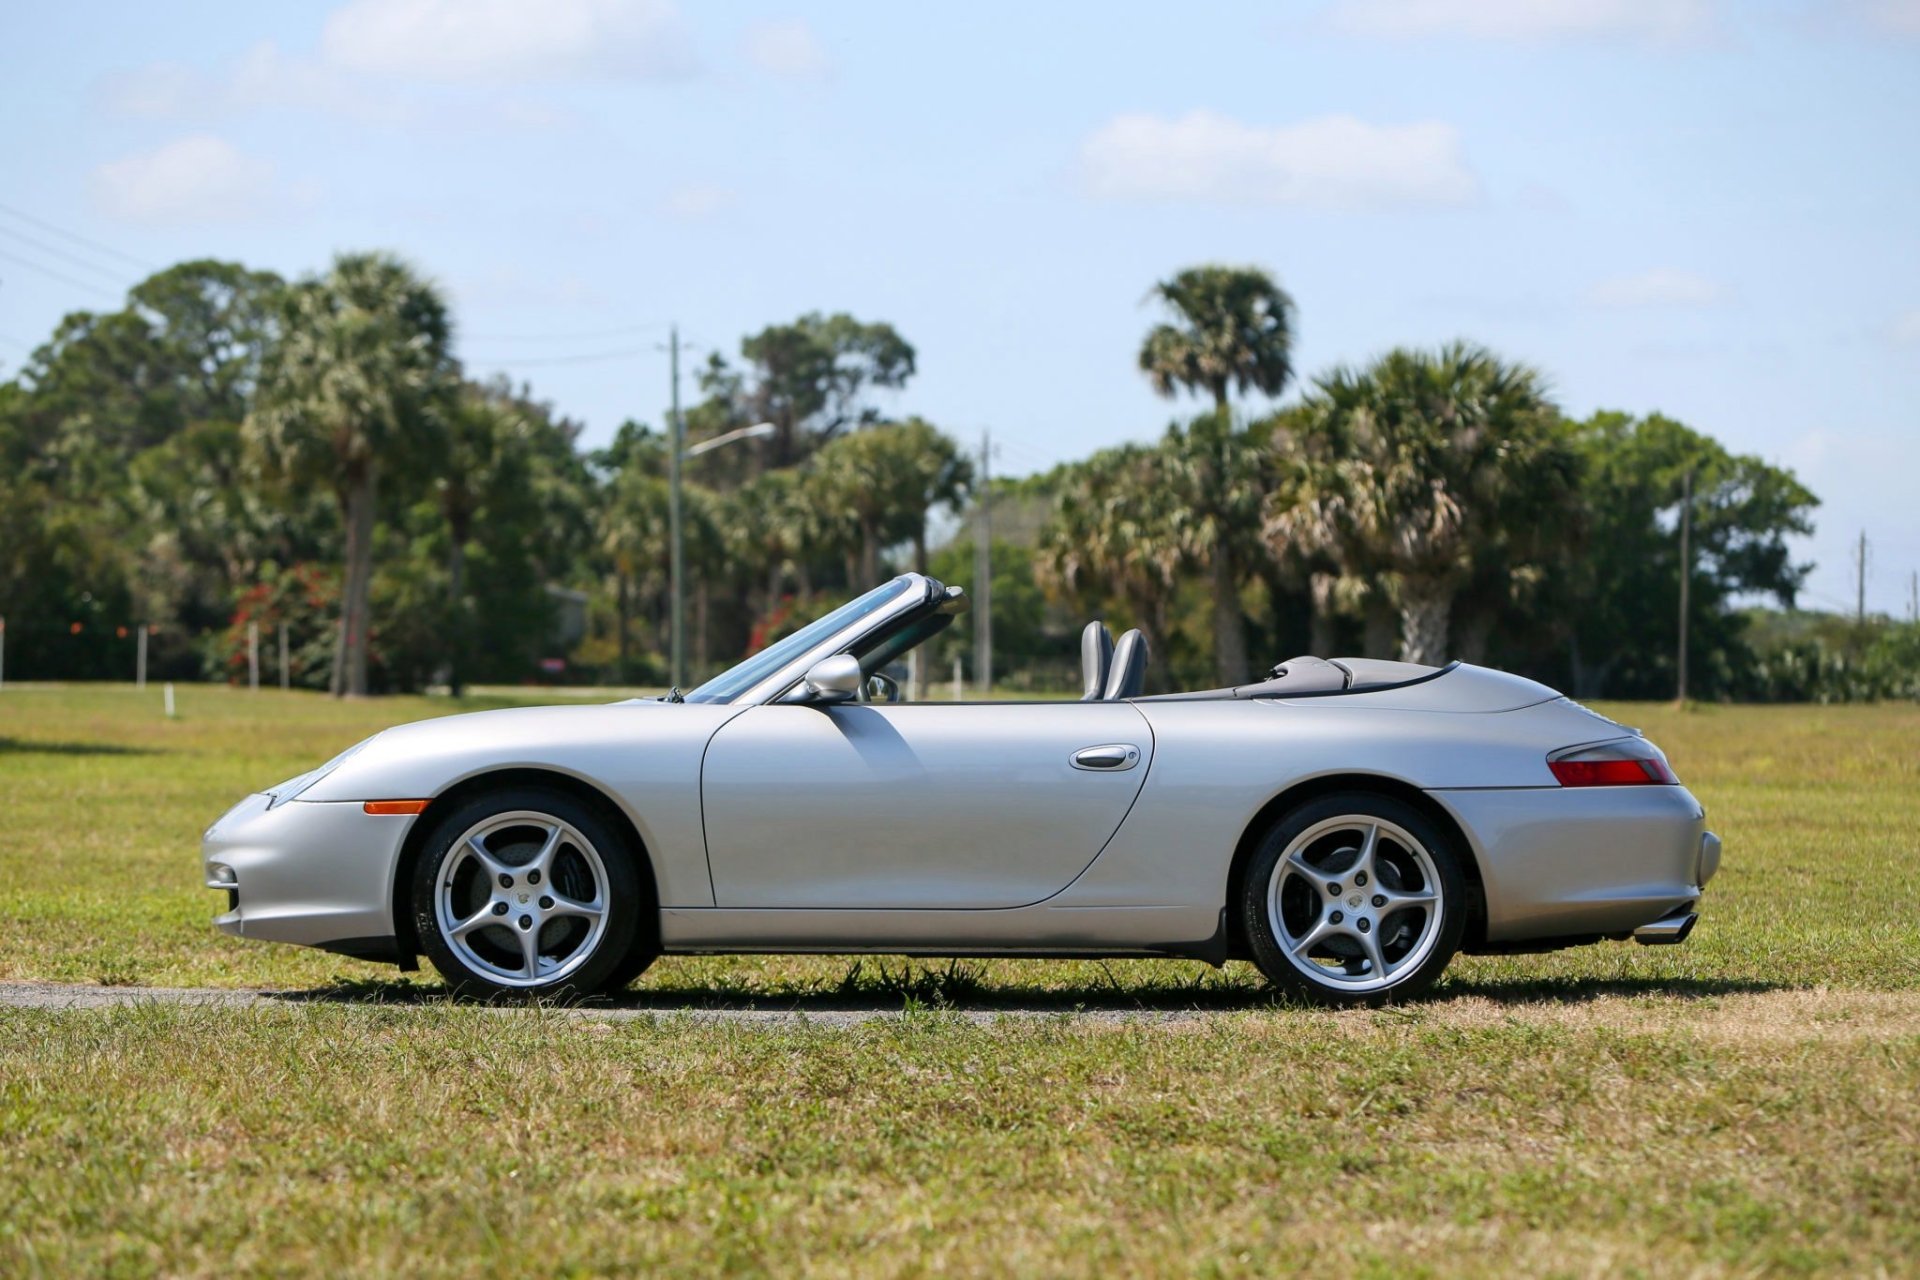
x,y
400,808
1632,763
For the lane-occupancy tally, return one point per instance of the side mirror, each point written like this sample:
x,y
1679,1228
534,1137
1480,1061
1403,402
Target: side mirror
x,y
835,679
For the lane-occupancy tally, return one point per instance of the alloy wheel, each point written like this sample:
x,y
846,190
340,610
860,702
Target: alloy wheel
x,y
522,898
1355,903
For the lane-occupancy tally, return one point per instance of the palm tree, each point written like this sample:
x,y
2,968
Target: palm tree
x,y
1431,463
1221,477
1234,332
1118,528
632,532
353,385
937,474
886,479
485,446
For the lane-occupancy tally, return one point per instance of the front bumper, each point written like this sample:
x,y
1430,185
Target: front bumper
x,y
316,873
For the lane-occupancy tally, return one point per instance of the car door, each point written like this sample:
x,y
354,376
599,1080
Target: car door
x,y
916,805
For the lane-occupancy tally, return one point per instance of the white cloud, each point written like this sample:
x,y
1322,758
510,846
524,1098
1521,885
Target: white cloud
x,y
1650,21
1660,287
158,89
263,78
1906,328
1332,162
199,178
697,201
787,49
1901,17
508,41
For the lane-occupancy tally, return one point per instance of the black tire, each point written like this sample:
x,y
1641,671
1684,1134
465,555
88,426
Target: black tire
x,y
589,956
1337,970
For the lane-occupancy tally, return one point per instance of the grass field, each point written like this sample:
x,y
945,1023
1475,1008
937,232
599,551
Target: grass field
x,y
1748,1103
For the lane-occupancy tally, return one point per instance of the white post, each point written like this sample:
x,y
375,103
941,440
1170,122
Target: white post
x,y
913,674
957,695
140,658
253,656
285,684
169,699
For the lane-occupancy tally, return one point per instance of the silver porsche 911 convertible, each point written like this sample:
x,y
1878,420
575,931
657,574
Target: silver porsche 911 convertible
x,y
1346,825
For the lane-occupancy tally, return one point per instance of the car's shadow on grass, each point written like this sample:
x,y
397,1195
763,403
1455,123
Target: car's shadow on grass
x,y
875,988
25,746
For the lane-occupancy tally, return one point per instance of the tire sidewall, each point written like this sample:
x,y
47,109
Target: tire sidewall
x,y
1258,930
621,935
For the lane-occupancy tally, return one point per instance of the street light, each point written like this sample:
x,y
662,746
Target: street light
x,y
677,455
755,432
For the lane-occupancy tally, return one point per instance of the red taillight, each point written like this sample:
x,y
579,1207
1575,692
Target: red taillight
x,y
1631,762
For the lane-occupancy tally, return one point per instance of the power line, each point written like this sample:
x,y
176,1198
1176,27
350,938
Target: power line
x,y
74,238
72,258
61,276
652,326
586,358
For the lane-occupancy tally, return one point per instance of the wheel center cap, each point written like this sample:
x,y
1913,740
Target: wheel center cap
x,y
1353,901
524,899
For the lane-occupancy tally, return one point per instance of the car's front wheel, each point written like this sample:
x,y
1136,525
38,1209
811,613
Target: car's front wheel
x,y
1354,898
528,892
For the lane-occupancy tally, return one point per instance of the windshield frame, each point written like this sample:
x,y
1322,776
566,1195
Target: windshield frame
x,y
763,676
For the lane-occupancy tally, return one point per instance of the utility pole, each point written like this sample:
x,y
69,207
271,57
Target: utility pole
x,y
140,657
1860,580
1913,597
678,568
983,572
1686,576
285,683
253,656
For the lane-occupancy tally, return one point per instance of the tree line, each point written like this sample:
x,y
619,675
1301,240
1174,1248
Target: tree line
x,y
234,453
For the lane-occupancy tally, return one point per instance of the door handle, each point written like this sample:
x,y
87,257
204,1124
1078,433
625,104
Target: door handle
x,y
1115,757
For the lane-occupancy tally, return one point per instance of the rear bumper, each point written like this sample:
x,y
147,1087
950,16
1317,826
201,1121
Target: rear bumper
x,y
315,873
1563,862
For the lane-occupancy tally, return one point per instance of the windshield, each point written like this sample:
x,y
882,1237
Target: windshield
x,y
734,681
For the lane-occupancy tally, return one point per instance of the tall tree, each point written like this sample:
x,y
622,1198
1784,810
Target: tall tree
x,y
354,385
508,487
1232,331
1117,528
1432,460
809,378
886,479
1621,599
1221,475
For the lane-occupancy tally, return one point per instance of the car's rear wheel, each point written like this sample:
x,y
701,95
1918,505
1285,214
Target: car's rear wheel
x,y
529,892
1354,898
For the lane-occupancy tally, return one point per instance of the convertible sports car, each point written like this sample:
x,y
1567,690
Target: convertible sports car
x,y
1347,825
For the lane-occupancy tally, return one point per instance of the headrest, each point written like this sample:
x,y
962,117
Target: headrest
x,y
1096,656
1128,675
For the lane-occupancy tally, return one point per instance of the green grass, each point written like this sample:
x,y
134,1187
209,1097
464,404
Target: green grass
x,y
1748,1103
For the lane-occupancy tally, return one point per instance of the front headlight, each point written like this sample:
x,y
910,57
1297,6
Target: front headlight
x,y
292,787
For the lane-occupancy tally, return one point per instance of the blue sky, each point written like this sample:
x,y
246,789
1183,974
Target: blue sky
x,y
1707,209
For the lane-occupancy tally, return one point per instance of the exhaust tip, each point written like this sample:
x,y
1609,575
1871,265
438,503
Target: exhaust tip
x,y
1668,930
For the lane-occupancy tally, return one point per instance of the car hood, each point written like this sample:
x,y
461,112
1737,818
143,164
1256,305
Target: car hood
x,y
420,759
